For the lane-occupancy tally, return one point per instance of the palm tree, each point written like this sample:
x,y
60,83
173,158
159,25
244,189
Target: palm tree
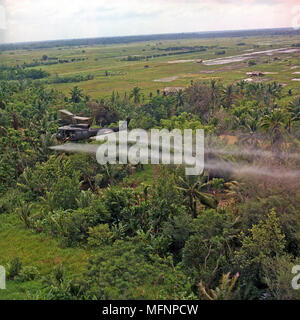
x,y
46,140
274,89
251,123
214,94
241,85
194,189
136,95
294,110
251,137
179,98
228,94
271,91
225,290
273,124
234,190
76,94
214,91
112,172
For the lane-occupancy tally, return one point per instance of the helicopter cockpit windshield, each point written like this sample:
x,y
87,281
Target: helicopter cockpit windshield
x,y
65,135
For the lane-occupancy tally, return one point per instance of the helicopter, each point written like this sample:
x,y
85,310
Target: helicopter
x,y
80,129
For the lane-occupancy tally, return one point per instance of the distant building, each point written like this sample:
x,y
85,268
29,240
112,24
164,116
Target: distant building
x,y
255,74
172,90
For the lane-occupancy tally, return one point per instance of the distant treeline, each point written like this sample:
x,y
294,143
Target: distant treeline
x,y
138,58
190,48
38,64
18,73
51,61
154,37
69,79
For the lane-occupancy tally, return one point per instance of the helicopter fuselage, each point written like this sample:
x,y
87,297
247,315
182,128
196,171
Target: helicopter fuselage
x,y
76,132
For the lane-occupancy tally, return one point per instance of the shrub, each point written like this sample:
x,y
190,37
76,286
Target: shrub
x,y
28,273
85,199
61,286
208,251
10,200
99,235
278,277
24,213
266,241
122,271
178,229
116,200
65,192
14,268
251,63
72,226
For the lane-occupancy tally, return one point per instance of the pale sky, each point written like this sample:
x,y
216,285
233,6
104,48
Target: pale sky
x,y
33,20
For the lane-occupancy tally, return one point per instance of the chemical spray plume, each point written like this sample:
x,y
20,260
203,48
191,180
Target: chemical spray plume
x,y
238,169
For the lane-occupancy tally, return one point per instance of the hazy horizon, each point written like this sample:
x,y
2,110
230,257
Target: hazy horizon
x,y
36,20
138,35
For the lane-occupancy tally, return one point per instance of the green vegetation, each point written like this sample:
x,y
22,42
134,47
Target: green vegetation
x,y
109,70
71,228
16,73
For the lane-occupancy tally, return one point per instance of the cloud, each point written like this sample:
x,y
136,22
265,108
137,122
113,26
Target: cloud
x,y
30,20
2,17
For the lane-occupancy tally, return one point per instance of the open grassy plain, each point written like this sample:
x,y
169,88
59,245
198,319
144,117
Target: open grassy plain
x,y
112,72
